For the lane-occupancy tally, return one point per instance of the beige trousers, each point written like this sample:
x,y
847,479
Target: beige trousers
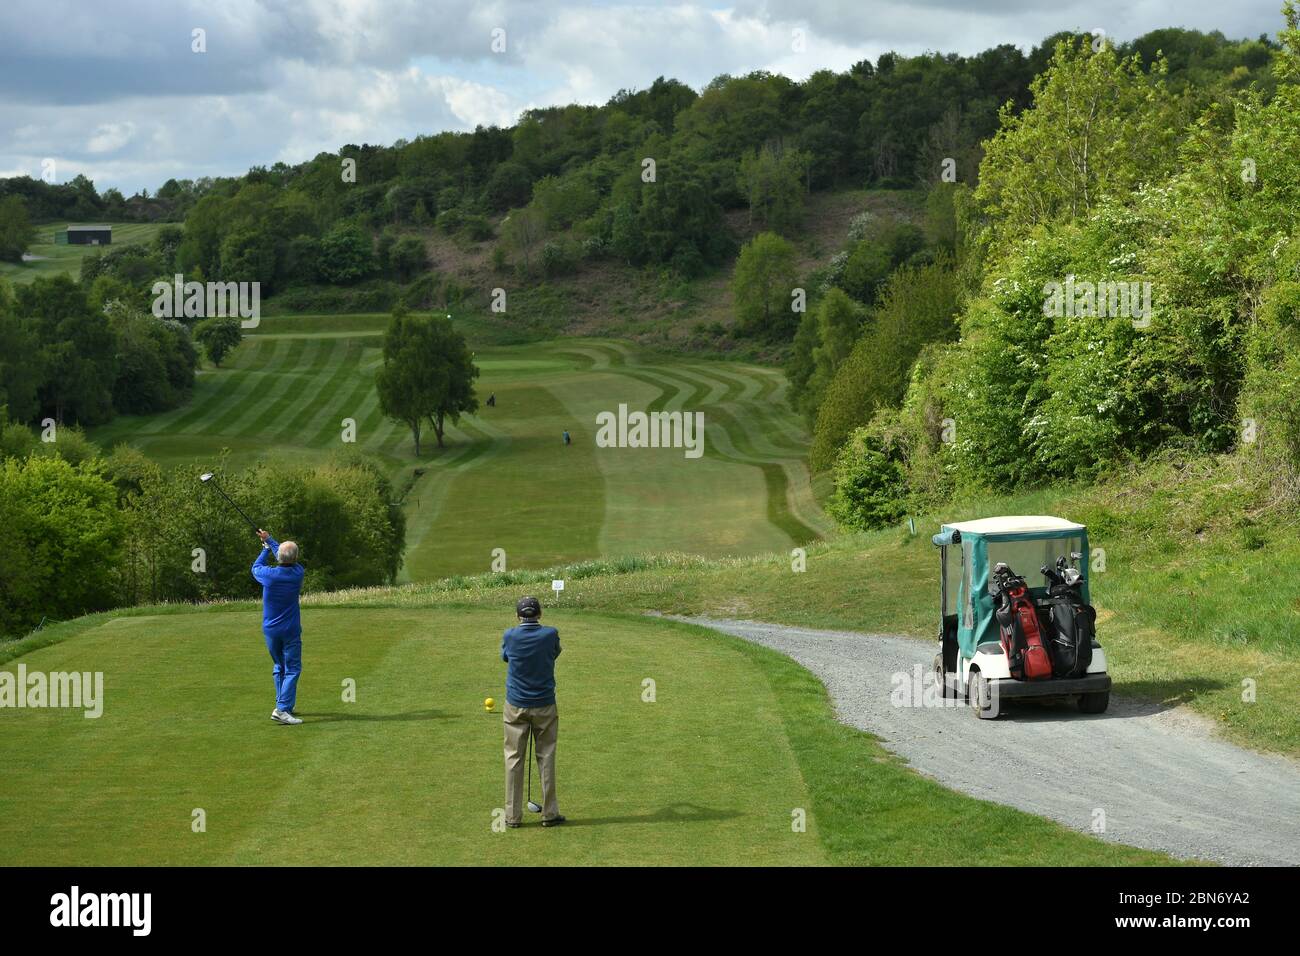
x,y
544,724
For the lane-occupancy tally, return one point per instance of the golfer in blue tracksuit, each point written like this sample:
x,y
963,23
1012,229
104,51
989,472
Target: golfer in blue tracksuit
x,y
281,625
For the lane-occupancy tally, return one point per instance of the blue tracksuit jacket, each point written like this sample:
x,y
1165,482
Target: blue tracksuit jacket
x,y
280,588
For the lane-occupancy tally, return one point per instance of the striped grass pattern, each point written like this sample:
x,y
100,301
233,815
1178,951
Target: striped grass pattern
x,y
504,479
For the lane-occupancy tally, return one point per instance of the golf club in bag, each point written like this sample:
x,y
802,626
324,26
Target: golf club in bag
x,y
1070,622
210,480
532,807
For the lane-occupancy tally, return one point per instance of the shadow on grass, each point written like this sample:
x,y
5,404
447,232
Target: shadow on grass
x,y
673,813
311,718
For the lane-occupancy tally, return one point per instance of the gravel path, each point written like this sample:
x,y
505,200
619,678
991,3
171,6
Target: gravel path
x,y
1162,778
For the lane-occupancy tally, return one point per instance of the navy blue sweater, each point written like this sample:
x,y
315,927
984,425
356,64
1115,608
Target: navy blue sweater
x,y
530,649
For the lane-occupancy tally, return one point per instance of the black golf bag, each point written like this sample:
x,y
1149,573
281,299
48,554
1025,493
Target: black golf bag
x,y
1070,623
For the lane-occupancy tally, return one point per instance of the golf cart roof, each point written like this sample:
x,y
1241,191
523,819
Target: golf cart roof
x,y
1014,524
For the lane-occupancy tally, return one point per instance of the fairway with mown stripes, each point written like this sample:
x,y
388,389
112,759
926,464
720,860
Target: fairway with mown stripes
x,y
505,479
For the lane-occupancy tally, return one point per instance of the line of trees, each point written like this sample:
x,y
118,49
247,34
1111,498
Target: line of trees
x,y
644,179
69,354
78,199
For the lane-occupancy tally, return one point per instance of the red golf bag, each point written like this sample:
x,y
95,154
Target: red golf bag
x,y
1020,629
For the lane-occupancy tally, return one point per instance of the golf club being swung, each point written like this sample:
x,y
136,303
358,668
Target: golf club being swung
x,y
210,479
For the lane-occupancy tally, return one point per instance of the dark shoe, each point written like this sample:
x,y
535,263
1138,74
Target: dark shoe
x,y
513,826
553,822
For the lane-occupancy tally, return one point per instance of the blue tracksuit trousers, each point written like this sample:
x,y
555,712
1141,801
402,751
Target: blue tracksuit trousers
x,y
286,655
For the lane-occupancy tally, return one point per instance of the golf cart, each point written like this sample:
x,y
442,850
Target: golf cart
x,y
1016,621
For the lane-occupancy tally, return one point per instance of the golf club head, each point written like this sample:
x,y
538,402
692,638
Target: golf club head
x,y
206,477
533,808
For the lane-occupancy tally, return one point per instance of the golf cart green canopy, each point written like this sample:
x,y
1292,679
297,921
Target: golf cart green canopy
x,y
970,549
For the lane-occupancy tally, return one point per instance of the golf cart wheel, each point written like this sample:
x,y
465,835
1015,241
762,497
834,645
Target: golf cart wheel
x,y
978,695
1094,703
939,676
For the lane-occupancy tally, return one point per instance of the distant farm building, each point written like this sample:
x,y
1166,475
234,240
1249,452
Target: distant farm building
x,y
86,236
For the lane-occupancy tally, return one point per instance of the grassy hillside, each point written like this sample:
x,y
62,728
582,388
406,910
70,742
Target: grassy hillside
x,y
737,739
652,307
51,259
504,479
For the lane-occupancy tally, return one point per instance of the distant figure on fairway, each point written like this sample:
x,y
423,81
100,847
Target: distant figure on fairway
x,y
567,439
531,649
492,400
281,625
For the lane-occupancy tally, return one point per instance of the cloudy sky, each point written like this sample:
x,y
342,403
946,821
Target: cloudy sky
x,y
115,90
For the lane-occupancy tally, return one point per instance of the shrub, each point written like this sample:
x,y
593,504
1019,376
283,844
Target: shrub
x,y
372,296
869,478
16,440
60,537
70,444
861,225
450,221
476,227
559,257
340,512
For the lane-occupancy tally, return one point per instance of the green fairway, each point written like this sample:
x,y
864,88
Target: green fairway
x,y
505,480
715,770
52,259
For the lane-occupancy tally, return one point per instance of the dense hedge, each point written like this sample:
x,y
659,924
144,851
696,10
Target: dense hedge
x,y
96,532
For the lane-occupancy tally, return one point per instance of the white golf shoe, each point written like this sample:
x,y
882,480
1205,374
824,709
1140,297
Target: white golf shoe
x,y
284,717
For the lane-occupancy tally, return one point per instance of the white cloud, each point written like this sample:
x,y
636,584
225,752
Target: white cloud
x,y
112,90
110,137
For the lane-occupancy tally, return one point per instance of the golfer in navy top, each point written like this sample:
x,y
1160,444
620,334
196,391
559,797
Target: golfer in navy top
x,y
281,625
530,649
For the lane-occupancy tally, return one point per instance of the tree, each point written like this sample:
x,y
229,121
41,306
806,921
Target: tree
x,y
428,374
774,181
16,230
765,278
1098,126
408,257
870,481
346,254
78,360
839,323
155,360
523,230
873,259
799,367
248,254
19,367
916,307
218,337
509,186
564,200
